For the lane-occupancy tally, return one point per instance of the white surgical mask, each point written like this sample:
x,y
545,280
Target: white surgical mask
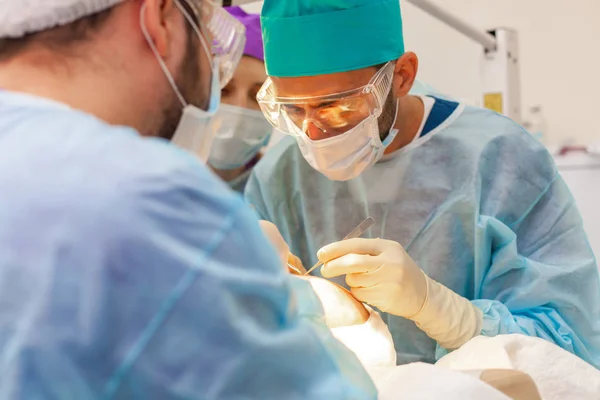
x,y
344,157
241,135
197,128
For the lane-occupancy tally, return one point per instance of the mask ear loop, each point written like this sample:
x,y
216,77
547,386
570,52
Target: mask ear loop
x,y
393,132
161,62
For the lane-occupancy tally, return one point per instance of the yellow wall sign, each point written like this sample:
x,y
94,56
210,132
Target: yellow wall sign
x,y
493,101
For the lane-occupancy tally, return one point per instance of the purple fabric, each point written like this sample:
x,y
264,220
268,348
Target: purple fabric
x,y
254,44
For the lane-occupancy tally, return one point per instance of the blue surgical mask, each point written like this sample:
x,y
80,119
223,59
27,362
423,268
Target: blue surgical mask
x,y
215,90
240,137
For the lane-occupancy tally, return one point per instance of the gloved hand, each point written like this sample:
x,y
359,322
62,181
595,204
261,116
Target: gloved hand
x,y
283,250
382,274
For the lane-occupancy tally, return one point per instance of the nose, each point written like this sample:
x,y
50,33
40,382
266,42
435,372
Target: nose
x,y
241,101
313,131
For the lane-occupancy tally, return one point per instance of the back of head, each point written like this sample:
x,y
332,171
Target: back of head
x,y
107,58
19,19
57,26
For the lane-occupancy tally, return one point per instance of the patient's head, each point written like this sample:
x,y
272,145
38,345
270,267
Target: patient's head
x,y
360,328
340,307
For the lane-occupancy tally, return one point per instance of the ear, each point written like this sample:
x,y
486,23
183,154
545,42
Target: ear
x,y
159,23
405,74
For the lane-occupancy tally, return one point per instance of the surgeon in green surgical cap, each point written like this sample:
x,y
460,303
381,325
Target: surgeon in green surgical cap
x,y
475,231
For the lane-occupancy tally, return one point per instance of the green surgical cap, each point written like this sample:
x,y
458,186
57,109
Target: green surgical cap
x,y
317,37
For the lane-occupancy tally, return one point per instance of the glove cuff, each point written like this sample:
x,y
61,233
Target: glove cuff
x,y
447,317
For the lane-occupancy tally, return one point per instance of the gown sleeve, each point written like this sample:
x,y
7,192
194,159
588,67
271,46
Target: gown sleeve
x,y
543,278
213,315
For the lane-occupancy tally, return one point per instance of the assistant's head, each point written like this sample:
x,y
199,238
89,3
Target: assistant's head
x,y
241,91
337,71
110,58
247,80
243,131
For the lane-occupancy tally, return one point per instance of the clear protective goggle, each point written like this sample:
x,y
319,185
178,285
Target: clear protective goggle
x,y
227,34
333,114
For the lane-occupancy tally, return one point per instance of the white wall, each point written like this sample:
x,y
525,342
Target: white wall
x,y
560,56
254,7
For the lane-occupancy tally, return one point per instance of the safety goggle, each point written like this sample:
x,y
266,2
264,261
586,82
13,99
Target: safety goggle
x,y
226,34
333,114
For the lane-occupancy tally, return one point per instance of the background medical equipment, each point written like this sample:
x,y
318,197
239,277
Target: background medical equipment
x,y
536,124
500,60
356,232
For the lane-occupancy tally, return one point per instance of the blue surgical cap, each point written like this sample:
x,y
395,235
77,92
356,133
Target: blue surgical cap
x,y
317,37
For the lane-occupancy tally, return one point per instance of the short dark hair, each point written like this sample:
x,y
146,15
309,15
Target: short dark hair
x,y
59,39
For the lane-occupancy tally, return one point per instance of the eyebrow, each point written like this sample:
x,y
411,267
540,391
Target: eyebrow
x,y
325,103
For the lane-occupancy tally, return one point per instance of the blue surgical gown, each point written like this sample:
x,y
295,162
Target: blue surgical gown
x,y
480,207
129,271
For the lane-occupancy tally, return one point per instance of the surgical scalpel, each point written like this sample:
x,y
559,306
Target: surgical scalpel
x,y
356,233
296,270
